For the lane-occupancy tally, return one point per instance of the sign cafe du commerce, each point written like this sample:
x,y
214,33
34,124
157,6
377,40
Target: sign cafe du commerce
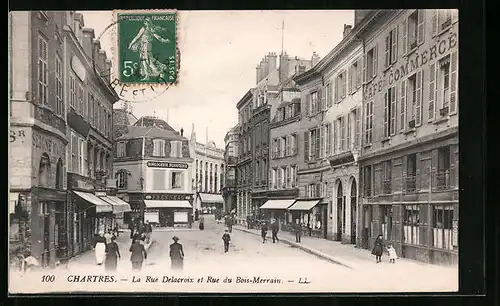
x,y
416,61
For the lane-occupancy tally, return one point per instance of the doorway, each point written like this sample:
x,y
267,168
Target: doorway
x,y
340,211
354,197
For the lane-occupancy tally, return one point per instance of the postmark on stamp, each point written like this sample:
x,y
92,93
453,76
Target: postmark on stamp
x,y
147,47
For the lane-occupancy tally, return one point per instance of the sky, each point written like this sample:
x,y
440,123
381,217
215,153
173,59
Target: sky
x,y
219,53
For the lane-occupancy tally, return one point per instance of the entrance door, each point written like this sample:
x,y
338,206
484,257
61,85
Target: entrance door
x,y
354,198
340,212
324,220
46,234
61,242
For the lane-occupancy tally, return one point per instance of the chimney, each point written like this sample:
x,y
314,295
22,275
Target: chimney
x,y
102,62
261,71
314,59
182,132
359,15
265,68
271,61
95,51
347,30
107,72
88,39
284,66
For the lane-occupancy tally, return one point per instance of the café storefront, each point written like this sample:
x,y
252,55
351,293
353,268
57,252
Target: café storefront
x,y
312,215
163,209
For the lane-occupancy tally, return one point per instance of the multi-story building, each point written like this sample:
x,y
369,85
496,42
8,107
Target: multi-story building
x,y
208,177
331,94
58,98
153,168
409,156
283,162
231,141
244,161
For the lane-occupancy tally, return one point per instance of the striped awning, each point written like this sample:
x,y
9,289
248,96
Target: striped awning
x,y
100,205
210,198
304,205
119,206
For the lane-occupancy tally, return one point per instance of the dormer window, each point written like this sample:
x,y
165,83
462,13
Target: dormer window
x,y
176,149
159,147
121,149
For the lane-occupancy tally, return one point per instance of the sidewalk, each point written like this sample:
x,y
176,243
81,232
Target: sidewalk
x,y
343,254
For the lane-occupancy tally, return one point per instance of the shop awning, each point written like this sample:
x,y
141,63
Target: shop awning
x,y
119,206
211,198
13,198
304,204
101,206
277,204
167,204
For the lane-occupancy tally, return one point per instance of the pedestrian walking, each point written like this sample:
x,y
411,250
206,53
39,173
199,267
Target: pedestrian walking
x,y
263,231
131,227
176,254
138,255
196,214
230,223
149,231
274,230
378,248
226,238
298,230
392,253
100,249
108,236
201,226
112,255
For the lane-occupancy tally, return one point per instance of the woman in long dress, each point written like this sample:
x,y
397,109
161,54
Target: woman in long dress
x,y
378,248
138,255
112,255
100,248
150,66
176,254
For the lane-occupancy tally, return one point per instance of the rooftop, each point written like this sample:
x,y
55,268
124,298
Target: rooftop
x,y
150,132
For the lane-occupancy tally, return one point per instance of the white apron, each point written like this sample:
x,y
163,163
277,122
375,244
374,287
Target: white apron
x,y
100,252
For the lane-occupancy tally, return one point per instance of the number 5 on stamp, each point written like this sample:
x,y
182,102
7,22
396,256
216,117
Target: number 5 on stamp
x,y
147,47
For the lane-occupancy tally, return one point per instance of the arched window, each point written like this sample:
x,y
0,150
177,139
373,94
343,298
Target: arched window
x,y
44,171
59,174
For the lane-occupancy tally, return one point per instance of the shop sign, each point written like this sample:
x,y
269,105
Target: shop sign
x,y
414,62
167,165
84,185
17,135
100,194
168,197
48,145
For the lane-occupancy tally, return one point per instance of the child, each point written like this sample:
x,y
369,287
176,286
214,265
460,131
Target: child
x,y
392,254
226,238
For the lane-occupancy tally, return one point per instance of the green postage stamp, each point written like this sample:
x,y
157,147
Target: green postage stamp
x,y
147,46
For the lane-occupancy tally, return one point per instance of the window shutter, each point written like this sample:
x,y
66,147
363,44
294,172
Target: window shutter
x,y
405,36
418,103
432,94
336,95
308,100
402,109
392,126
320,106
318,141
394,45
357,128
306,146
365,77
453,82
344,83
421,25
453,166
387,50
386,114
348,138
434,22
329,137
342,133
375,61
335,136
358,73
329,94
350,74
322,142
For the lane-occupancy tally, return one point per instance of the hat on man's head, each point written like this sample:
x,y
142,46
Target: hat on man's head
x,y
175,238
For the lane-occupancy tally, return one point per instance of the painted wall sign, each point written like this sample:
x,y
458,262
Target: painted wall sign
x,y
167,165
17,135
48,145
413,63
78,68
168,197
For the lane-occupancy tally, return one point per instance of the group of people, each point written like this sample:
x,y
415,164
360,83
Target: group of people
x,y
106,250
140,230
264,228
378,250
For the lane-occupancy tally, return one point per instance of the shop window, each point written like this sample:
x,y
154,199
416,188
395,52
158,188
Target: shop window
x,y
411,223
443,168
442,227
386,221
176,180
411,173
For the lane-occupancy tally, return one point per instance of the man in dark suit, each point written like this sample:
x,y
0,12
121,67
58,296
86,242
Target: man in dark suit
x,y
274,230
226,238
176,254
138,254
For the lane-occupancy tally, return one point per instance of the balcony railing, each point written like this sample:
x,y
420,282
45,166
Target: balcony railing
x,y
411,183
446,24
443,181
387,187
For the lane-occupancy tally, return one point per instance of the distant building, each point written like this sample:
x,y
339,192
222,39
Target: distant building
x,y
153,169
230,159
208,176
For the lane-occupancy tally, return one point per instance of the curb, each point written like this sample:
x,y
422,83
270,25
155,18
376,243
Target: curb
x,y
82,254
309,250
